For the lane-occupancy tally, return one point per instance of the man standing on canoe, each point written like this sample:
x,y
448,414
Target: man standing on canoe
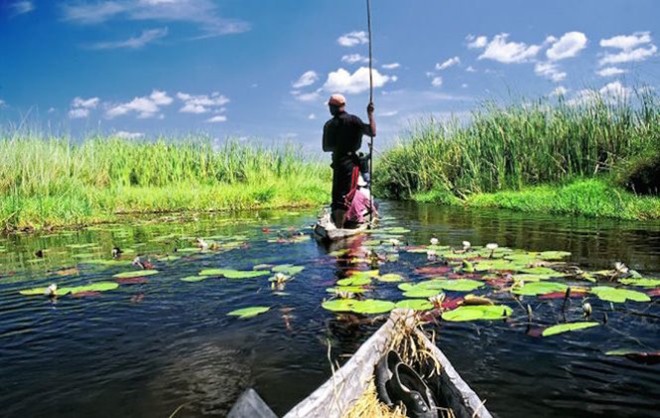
x,y
342,135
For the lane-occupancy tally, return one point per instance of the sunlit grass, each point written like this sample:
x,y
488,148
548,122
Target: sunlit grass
x,y
52,181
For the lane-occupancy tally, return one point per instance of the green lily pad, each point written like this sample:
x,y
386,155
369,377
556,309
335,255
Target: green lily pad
x,y
189,250
390,278
354,281
560,328
553,255
367,273
479,312
249,312
641,282
421,293
394,230
346,289
94,287
137,273
289,269
612,294
495,265
522,258
531,277
168,258
40,291
234,274
458,285
542,271
415,304
372,306
338,305
540,288
192,279
108,263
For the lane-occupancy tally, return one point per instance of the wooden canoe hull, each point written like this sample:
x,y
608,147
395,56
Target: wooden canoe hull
x,y
335,396
326,230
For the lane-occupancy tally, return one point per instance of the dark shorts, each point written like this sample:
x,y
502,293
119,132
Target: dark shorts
x,y
342,171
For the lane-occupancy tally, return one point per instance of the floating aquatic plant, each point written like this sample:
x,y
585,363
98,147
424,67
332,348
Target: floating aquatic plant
x,y
137,273
250,312
475,313
234,274
539,288
612,294
561,328
415,304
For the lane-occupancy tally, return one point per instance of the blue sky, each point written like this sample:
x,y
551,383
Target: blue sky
x,y
263,69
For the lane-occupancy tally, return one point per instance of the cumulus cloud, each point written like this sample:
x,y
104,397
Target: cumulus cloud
x,y
20,7
202,103
307,97
499,49
610,71
353,39
307,79
311,116
476,42
612,92
342,81
437,81
80,108
217,119
568,46
470,69
145,38
632,48
391,66
129,135
550,71
145,107
355,58
449,63
203,14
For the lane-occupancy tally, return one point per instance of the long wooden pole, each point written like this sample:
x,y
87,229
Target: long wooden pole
x,y
371,100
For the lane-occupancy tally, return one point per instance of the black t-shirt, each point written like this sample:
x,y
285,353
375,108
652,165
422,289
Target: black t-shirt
x,y
343,133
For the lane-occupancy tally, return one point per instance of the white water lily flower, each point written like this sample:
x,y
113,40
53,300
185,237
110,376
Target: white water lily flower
x,y
434,241
431,255
437,299
586,308
51,290
620,267
466,245
492,246
395,241
281,277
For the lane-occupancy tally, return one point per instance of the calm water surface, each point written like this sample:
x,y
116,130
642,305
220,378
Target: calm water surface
x,y
146,349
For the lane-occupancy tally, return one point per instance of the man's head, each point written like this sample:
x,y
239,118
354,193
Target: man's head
x,y
336,103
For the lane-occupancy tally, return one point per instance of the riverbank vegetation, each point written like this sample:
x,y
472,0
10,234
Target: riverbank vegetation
x,y
46,182
592,158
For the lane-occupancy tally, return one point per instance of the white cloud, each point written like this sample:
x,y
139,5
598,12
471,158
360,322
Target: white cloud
x,y
550,71
217,119
311,116
129,135
203,14
568,46
392,66
145,107
307,97
449,63
436,82
559,91
20,7
611,71
307,79
201,103
353,39
355,58
635,47
145,38
80,108
342,81
464,85
476,42
470,69
612,92
509,52
389,114
2,103
627,42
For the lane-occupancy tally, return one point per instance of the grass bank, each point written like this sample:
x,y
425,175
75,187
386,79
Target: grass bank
x,y
46,182
533,157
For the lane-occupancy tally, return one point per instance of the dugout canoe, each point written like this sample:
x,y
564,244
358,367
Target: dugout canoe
x,y
326,230
334,398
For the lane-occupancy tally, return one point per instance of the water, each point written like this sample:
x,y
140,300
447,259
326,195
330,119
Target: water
x,y
147,349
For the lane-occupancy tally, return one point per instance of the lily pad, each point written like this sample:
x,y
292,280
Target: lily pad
x,y
561,328
641,282
540,288
338,305
415,304
234,274
137,273
496,265
479,312
346,289
367,273
372,306
354,281
553,255
421,293
531,277
249,312
612,294
542,271
193,279
390,278
459,285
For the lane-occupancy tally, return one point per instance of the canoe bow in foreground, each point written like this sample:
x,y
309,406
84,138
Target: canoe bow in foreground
x,y
325,229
